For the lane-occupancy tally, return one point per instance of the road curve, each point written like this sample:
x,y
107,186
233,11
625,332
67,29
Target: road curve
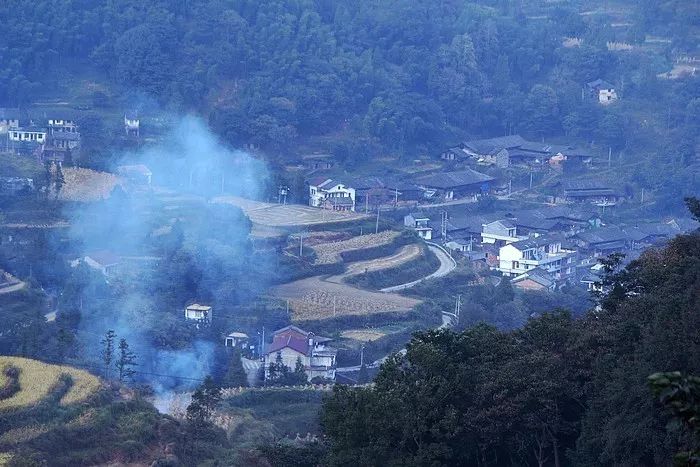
x,y
447,265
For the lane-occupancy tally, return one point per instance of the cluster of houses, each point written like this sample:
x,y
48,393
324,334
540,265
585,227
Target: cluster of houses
x,y
541,248
52,134
367,193
514,150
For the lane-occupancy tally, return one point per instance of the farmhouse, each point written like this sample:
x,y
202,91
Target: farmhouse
x,y
543,252
103,261
29,134
339,196
534,279
236,340
292,343
499,232
318,161
603,91
453,185
132,124
591,191
62,123
420,222
200,313
9,119
603,241
64,140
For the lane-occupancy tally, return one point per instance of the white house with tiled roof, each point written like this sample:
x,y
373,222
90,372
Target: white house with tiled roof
x,y
331,194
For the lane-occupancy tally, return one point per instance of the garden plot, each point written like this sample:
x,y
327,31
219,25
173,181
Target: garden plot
x,y
287,215
362,335
328,253
315,298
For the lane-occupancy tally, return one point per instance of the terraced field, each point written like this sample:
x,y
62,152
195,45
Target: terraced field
x,y
328,253
315,298
288,215
38,379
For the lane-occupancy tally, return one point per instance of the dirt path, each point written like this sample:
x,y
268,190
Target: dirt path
x,y
315,298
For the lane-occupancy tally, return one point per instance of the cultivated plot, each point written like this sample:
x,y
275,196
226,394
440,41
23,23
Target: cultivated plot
x,y
315,298
288,215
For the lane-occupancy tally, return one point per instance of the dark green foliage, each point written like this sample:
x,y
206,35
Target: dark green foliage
x,y
11,386
204,400
126,360
235,374
556,391
681,395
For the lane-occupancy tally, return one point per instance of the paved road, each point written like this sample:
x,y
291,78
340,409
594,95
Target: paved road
x,y
447,265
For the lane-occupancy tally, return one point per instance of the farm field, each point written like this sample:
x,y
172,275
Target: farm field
x,y
328,253
289,215
37,379
86,185
405,254
363,335
314,298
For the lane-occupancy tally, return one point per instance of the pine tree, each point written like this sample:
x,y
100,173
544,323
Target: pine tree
x,y
125,362
299,375
235,374
204,400
107,352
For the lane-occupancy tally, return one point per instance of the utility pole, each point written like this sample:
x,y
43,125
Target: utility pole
x,y
362,355
301,244
531,179
510,187
376,225
396,197
443,225
609,156
366,202
642,195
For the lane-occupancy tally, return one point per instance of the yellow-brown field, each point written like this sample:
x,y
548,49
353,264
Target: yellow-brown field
x,y
362,335
37,379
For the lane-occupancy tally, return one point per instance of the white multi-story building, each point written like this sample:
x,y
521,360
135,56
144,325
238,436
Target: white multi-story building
x,y
331,194
34,135
500,232
542,252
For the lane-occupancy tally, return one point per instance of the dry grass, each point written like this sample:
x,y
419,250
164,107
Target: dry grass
x,y
5,458
37,379
314,298
328,253
87,185
362,335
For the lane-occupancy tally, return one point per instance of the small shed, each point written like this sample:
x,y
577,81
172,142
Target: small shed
x,y
197,312
236,339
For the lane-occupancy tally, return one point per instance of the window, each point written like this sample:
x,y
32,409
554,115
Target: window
x,y
516,265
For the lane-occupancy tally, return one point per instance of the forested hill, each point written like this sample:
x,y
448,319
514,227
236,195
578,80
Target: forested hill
x,y
558,391
402,73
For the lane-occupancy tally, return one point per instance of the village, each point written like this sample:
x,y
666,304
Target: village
x,y
538,215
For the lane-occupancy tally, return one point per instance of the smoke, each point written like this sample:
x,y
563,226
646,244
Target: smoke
x,y
166,246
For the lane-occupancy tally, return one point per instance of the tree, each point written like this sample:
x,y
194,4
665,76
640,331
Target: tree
x,y
107,352
235,374
125,362
299,375
693,205
504,291
681,396
204,400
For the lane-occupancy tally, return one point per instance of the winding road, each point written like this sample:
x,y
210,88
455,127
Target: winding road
x,y
447,265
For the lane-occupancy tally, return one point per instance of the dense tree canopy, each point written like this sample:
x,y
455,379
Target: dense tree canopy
x,y
554,392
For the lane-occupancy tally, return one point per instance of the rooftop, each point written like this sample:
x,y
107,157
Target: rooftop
x,y
454,179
